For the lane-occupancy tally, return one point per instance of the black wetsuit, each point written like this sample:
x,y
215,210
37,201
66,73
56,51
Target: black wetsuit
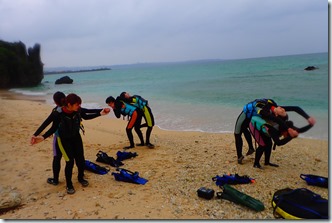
x,y
135,118
260,107
68,126
143,105
56,163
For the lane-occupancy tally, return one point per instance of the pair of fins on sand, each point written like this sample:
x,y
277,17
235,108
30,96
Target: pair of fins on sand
x,y
123,174
231,194
104,158
121,156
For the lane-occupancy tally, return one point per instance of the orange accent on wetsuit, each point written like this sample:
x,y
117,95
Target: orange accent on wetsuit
x,y
132,120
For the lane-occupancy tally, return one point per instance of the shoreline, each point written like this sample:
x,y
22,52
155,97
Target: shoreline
x,y
181,163
7,94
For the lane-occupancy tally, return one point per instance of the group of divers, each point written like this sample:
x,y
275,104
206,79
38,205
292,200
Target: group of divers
x,y
263,119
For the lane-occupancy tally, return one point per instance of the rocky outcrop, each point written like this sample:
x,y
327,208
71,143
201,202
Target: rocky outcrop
x,y
20,67
64,80
311,68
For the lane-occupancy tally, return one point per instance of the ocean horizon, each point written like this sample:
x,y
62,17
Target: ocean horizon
x,y
204,95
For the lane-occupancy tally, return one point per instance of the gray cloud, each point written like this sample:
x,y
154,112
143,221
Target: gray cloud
x,y
106,32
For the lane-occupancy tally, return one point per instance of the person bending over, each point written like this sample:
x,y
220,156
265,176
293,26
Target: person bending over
x,y
266,131
143,105
258,107
135,117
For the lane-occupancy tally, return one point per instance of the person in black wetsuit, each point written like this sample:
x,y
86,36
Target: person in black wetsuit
x,y
59,99
143,105
66,125
135,117
270,131
242,123
265,108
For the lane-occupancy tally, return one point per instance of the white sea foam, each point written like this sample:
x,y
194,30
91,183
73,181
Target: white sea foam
x,y
28,92
91,105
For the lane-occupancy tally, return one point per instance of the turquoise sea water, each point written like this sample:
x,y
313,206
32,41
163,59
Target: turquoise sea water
x,y
207,95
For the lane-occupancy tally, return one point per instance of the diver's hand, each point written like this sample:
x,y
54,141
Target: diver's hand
x,y
312,121
292,132
36,139
105,111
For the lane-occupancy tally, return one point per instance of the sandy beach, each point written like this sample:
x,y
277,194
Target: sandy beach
x,y
181,163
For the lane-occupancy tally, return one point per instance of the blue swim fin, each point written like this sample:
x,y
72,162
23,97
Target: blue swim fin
x,y
125,155
315,180
232,179
104,158
95,168
129,176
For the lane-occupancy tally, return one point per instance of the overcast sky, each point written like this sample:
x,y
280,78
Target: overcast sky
x,y
109,32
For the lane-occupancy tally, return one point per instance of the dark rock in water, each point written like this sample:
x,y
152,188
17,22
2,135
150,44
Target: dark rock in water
x,y
64,80
20,67
311,68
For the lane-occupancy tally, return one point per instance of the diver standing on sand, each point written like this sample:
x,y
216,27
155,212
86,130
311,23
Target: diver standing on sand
x,y
59,99
67,125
